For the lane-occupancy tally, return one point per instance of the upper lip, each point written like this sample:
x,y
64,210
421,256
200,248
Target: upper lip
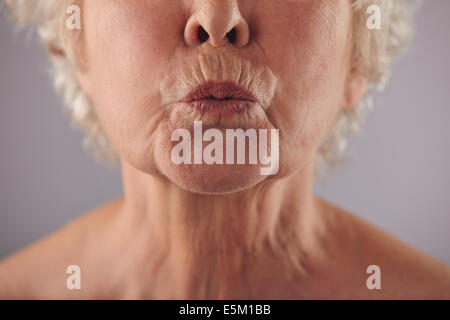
x,y
219,90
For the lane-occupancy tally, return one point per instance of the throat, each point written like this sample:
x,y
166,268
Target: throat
x,y
249,244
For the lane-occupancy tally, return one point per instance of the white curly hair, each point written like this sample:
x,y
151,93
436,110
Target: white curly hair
x,y
373,53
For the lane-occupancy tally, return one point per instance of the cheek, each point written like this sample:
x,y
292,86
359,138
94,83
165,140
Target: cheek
x,y
312,74
128,54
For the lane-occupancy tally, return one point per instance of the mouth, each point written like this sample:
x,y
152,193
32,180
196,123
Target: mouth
x,y
220,99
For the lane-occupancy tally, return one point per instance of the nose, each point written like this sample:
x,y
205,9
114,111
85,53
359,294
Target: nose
x,y
217,22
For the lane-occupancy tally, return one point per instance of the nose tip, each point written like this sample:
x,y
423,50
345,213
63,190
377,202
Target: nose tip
x,y
197,34
203,36
217,28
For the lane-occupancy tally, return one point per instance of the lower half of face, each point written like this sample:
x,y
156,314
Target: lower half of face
x,y
218,120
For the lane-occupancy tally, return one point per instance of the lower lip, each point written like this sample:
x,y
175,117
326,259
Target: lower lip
x,y
222,108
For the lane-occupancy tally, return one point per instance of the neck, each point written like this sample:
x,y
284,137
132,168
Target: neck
x,y
230,245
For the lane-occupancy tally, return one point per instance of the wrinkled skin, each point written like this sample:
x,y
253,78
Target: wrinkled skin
x,y
193,232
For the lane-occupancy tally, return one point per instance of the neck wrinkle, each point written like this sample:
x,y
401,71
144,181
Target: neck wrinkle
x,y
213,242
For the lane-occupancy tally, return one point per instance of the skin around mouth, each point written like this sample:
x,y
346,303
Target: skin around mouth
x,y
222,108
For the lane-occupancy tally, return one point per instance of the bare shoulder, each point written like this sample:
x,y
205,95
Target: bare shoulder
x,y
407,272
39,270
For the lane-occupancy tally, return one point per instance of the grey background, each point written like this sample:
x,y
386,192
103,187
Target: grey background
x,y
397,176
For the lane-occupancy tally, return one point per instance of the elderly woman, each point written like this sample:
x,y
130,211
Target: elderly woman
x,y
221,114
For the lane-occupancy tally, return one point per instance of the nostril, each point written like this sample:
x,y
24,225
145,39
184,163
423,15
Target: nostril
x,y
202,34
231,36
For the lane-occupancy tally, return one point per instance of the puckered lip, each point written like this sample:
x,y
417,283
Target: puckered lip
x,y
220,99
219,90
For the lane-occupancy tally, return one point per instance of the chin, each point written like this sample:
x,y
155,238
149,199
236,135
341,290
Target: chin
x,y
211,179
197,164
